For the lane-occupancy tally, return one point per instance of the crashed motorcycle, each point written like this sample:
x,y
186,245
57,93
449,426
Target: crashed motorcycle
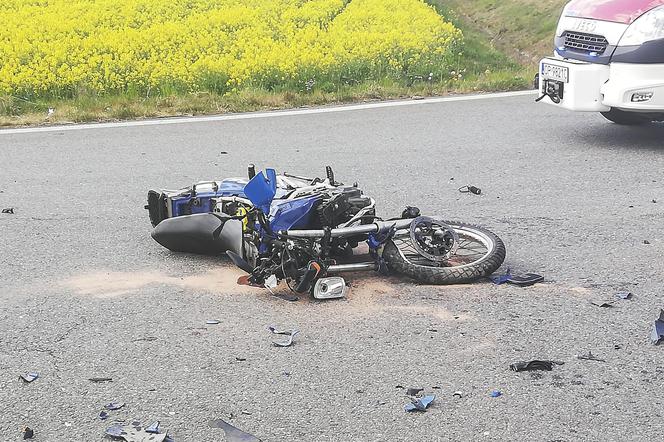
x,y
308,231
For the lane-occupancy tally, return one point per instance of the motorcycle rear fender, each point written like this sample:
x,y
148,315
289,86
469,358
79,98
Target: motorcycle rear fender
x,y
202,233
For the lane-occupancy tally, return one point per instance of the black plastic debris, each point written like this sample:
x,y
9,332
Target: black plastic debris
x,y
534,365
29,377
457,395
414,391
657,334
645,241
212,322
9,210
624,295
233,434
603,304
590,357
290,334
470,189
146,339
114,406
28,433
286,297
240,359
223,152
419,404
153,428
524,280
98,380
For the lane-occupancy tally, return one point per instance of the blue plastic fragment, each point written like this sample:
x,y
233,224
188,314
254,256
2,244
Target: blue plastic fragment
x,y
103,415
501,279
657,334
154,428
114,405
496,393
29,377
115,430
261,189
420,404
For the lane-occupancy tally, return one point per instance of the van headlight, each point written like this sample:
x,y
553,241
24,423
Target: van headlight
x,y
650,26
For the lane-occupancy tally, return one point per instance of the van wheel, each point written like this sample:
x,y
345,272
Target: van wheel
x,y
626,118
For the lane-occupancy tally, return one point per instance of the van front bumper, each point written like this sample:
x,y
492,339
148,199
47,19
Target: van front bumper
x,y
590,87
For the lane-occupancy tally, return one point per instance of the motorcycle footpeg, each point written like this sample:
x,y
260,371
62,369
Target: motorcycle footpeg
x,y
332,287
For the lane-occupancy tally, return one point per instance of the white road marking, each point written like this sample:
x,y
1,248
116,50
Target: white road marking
x,y
271,114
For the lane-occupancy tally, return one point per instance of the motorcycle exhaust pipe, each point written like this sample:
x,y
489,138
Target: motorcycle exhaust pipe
x,y
358,267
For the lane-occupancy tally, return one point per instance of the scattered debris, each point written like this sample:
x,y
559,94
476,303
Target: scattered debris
x,y
470,189
414,391
154,428
603,304
534,365
624,295
135,433
29,377
654,201
420,404
103,415
97,380
223,152
147,339
212,322
239,359
233,434
617,346
524,280
286,296
496,393
657,334
28,433
289,333
417,97
114,406
457,394
9,210
645,241
590,357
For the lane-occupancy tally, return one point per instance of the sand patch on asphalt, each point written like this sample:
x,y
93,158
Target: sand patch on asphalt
x,y
112,284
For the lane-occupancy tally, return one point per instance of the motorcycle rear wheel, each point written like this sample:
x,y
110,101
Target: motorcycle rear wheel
x,y
479,253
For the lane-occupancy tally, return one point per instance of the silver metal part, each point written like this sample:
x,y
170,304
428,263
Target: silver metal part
x,y
350,231
332,287
358,267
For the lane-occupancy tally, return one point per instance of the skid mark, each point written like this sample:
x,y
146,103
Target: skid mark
x,y
112,284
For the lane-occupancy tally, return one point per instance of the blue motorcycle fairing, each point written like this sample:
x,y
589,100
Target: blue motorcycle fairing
x,y
183,205
261,190
292,214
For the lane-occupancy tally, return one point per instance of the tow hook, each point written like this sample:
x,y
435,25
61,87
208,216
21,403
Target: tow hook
x,y
552,89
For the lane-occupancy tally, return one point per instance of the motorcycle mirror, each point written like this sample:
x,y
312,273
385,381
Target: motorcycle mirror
x,y
238,261
330,288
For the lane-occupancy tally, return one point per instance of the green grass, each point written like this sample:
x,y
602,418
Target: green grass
x,y
503,39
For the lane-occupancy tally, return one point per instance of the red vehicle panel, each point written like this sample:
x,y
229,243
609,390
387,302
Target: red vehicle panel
x,y
621,11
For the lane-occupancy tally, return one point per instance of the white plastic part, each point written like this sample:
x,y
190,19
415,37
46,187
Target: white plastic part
x,y
330,288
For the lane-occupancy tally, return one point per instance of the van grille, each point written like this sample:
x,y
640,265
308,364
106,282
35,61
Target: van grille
x,y
587,43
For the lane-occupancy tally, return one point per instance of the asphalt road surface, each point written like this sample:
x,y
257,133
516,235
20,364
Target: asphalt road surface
x,y
85,292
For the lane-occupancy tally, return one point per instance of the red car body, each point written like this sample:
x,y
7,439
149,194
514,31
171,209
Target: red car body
x,y
619,11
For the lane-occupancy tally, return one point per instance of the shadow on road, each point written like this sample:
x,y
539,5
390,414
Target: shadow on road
x,y
615,136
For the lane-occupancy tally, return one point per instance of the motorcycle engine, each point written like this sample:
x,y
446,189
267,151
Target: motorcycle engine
x,y
342,207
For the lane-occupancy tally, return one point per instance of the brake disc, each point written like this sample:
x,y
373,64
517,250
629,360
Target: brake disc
x,y
433,239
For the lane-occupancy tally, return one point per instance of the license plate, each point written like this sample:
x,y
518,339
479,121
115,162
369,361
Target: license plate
x,y
554,72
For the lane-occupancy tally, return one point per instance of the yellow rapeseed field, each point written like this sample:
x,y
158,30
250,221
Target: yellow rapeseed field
x,y
62,48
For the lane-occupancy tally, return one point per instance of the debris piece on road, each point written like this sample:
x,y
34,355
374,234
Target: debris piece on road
x,y
496,393
146,339
590,357
645,241
470,189
9,210
28,433
114,406
289,333
286,297
420,404
524,280
239,359
154,428
97,380
223,152
29,377
624,295
457,394
103,415
134,433
414,391
657,334
603,304
233,434
534,365
212,322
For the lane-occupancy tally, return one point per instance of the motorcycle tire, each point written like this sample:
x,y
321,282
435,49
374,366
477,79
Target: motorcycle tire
x,y
403,259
